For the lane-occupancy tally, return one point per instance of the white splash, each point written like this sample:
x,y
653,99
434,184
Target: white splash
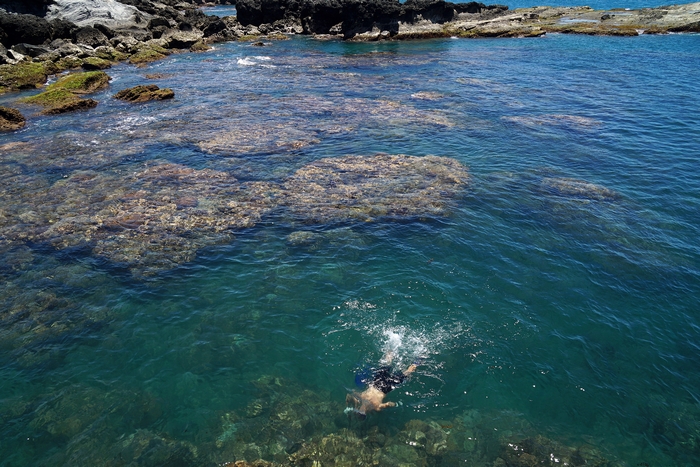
x,y
246,62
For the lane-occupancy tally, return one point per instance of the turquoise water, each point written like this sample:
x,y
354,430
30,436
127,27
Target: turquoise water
x,y
555,296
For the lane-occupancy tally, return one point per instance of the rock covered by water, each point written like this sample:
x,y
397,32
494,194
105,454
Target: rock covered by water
x,y
541,451
365,188
160,214
572,188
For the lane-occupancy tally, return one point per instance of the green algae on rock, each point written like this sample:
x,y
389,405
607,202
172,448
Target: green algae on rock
x,y
147,54
82,83
25,75
63,95
96,63
144,93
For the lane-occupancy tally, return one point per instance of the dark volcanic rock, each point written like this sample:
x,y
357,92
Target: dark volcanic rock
x,y
320,17
20,28
437,11
144,93
10,119
360,16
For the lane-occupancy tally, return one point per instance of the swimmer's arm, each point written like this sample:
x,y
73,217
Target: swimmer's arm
x,y
410,369
384,405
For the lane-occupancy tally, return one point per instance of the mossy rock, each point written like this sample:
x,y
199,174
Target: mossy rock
x,y
109,54
95,63
82,83
144,93
200,46
63,95
59,101
71,62
148,54
25,75
51,97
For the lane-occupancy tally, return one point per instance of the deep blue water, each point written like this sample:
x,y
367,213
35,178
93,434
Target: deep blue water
x,y
556,296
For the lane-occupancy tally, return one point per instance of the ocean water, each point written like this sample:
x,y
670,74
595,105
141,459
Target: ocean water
x,y
554,297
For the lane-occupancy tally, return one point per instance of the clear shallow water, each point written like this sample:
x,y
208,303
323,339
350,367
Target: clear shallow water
x,y
539,309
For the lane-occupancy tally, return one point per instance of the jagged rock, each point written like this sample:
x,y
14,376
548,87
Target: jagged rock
x,y
11,119
437,11
144,93
88,35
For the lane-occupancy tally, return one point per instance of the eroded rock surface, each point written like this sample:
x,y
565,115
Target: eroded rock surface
x,y
11,119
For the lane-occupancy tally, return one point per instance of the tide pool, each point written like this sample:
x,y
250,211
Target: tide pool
x,y
550,300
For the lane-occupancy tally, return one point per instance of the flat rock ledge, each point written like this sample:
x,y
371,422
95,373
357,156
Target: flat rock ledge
x,y
144,93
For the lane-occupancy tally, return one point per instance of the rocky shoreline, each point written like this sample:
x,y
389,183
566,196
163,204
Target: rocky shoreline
x,y
39,38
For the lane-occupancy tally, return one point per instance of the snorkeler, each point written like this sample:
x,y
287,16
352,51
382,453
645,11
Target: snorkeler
x,y
381,382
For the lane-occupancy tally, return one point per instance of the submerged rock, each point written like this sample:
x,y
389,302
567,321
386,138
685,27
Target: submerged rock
x,y
11,119
367,187
144,93
541,451
572,188
338,449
